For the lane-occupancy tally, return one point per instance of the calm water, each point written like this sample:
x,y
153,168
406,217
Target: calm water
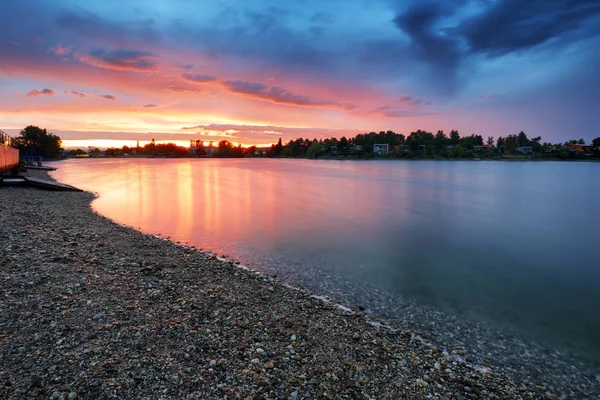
x,y
515,245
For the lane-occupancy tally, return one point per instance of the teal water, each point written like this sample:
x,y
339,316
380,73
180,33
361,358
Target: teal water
x,y
514,245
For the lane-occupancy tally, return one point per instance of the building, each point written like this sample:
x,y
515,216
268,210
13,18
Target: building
x,y
527,150
381,149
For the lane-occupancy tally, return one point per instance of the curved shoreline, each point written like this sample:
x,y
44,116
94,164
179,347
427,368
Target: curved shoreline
x,y
338,353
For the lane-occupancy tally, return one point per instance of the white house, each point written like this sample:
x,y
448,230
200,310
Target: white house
x,y
381,148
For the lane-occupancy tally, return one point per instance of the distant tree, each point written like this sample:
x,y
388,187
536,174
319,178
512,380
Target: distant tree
x,y
314,150
581,141
457,151
596,142
343,143
39,142
454,137
440,140
522,139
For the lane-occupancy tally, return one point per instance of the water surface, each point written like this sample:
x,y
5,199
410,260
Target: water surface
x,y
510,244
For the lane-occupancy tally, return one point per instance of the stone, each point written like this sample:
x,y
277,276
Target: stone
x,y
212,363
260,351
293,338
55,395
269,365
422,383
72,396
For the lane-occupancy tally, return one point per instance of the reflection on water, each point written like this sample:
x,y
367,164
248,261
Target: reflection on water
x,y
514,244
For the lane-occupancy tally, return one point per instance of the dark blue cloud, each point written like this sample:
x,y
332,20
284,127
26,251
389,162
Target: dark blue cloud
x,y
515,25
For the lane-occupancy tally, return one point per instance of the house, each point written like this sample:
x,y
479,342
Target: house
x,y
477,149
527,150
400,147
381,149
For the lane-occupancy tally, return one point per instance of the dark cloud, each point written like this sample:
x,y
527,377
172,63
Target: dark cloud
x,y
392,112
92,26
78,94
512,25
413,101
43,92
108,96
274,94
150,106
198,78
426,40
122,60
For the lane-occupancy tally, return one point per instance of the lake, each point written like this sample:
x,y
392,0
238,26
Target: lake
x,y
512,246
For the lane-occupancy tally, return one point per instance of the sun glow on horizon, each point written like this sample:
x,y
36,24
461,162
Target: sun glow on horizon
x,y
103,144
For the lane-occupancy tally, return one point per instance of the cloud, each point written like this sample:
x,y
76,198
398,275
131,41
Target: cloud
x,y
413,101
91,26
276,94
515,25
108,96
60,50
267,133
426,42
150,106
392,112
197,78
133,60
78,94
43,92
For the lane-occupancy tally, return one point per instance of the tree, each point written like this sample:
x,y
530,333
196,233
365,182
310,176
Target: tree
x,y
314,150
39,142
440,139
454,137
596,142
581,141
457,151
522,139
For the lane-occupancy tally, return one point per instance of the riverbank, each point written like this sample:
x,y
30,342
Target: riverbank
x,y
92,309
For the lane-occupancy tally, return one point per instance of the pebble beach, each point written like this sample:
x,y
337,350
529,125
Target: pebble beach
x,y
92,309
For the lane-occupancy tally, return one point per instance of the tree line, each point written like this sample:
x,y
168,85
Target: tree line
x,y
33,140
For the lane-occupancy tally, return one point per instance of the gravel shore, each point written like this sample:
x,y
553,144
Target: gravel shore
x,y
92,309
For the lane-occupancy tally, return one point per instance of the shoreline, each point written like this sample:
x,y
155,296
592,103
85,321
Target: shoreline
x,y
223,331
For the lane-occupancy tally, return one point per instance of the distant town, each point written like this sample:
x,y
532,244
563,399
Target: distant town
x,y
36,142
417,145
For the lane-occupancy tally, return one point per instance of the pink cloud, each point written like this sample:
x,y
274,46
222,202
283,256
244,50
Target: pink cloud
x,y
59,50
43,92
108,96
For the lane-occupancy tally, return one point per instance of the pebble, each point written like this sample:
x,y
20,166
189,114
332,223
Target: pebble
x,y
212,363
72,395
422,383
260,351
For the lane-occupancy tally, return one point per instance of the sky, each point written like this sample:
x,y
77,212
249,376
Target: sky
x,y
112,72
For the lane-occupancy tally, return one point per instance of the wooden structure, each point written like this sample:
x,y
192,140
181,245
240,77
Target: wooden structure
x,y
9,154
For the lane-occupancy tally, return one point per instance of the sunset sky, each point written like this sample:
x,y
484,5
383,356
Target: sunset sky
x,y
100,72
